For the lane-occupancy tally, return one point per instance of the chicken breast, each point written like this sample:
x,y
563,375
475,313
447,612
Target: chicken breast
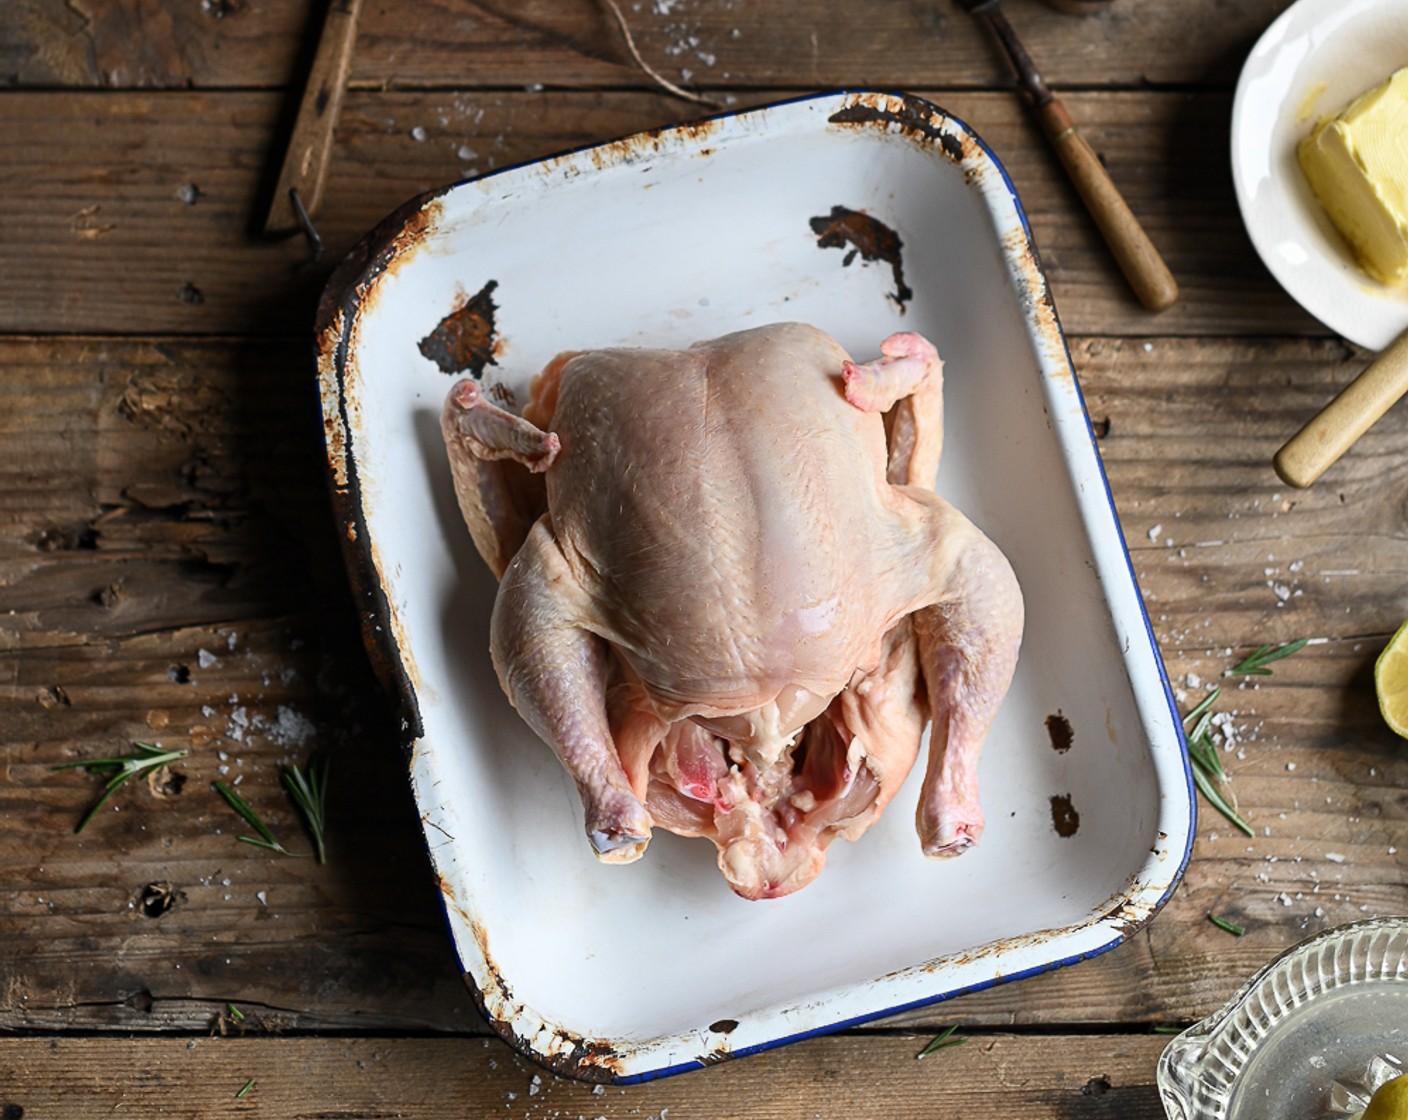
x,y
730,600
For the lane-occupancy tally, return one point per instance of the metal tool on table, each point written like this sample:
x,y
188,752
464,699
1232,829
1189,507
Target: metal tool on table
x,y
304,173
1334,429
1138,259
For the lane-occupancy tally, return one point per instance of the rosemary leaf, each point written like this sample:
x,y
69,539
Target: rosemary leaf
x,y
275,846
1231,927
234,1012
1209,791
248,1085
1204,753
1255,664
121,768
309,793
941,1041
1203,706
241,806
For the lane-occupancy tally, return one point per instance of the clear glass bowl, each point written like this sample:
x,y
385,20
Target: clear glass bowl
x,y
1308,1037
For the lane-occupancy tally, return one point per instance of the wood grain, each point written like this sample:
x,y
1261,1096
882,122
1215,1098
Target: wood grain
x,y
709,44
168,571
862,1077
178,181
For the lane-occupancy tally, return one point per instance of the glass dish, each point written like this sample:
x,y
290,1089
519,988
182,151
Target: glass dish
x,y
1310,1036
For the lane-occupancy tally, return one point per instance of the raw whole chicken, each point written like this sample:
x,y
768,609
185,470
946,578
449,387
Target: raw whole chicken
x,y
730,599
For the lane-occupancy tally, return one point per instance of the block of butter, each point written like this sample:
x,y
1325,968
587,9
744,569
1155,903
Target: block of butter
x,y
1357,164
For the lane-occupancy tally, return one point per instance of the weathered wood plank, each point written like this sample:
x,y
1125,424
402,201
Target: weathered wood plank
x,y
710,44
176,181
168,574
188,473
855,1077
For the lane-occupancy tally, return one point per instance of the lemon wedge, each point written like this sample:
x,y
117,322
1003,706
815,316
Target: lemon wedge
x,y
1390,1100
1391,684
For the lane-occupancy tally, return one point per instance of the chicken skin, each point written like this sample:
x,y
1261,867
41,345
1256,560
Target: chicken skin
x,y
730,600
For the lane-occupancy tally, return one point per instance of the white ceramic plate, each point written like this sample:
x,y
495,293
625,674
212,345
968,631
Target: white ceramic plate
x,y
662,239
1315,59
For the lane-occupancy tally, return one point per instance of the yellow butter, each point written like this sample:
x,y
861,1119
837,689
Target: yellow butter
x,y
1357,165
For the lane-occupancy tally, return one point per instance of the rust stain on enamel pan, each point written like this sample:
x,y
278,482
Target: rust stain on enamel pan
x,y
559,1050
912,115
926,123
465,339
1125,915
352,288
860,233
642,145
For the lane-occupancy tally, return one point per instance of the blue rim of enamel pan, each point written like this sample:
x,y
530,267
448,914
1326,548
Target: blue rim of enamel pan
x,y
494,907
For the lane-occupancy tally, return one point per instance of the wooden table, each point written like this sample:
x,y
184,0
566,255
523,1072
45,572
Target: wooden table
x,y
168,568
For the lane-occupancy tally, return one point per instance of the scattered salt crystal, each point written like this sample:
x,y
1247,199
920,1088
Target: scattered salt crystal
x,y
263,897
1290,766
1193,680
535,1086
418,134
222,756
1283,898
1155,531
207,711
466,152
1148,347
598,1090
205,659
291,729
1334,857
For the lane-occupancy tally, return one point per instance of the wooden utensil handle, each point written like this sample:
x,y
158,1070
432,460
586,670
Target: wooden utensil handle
x,y
1333,430
305,164
1140,262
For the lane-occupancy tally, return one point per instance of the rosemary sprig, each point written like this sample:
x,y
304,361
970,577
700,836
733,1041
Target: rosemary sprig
x,y
309,792
1255,664
1231,927
121,768
941,1041
1207,763
266,838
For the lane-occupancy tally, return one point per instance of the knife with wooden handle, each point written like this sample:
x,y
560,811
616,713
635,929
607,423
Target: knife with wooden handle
x,y
1139,260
